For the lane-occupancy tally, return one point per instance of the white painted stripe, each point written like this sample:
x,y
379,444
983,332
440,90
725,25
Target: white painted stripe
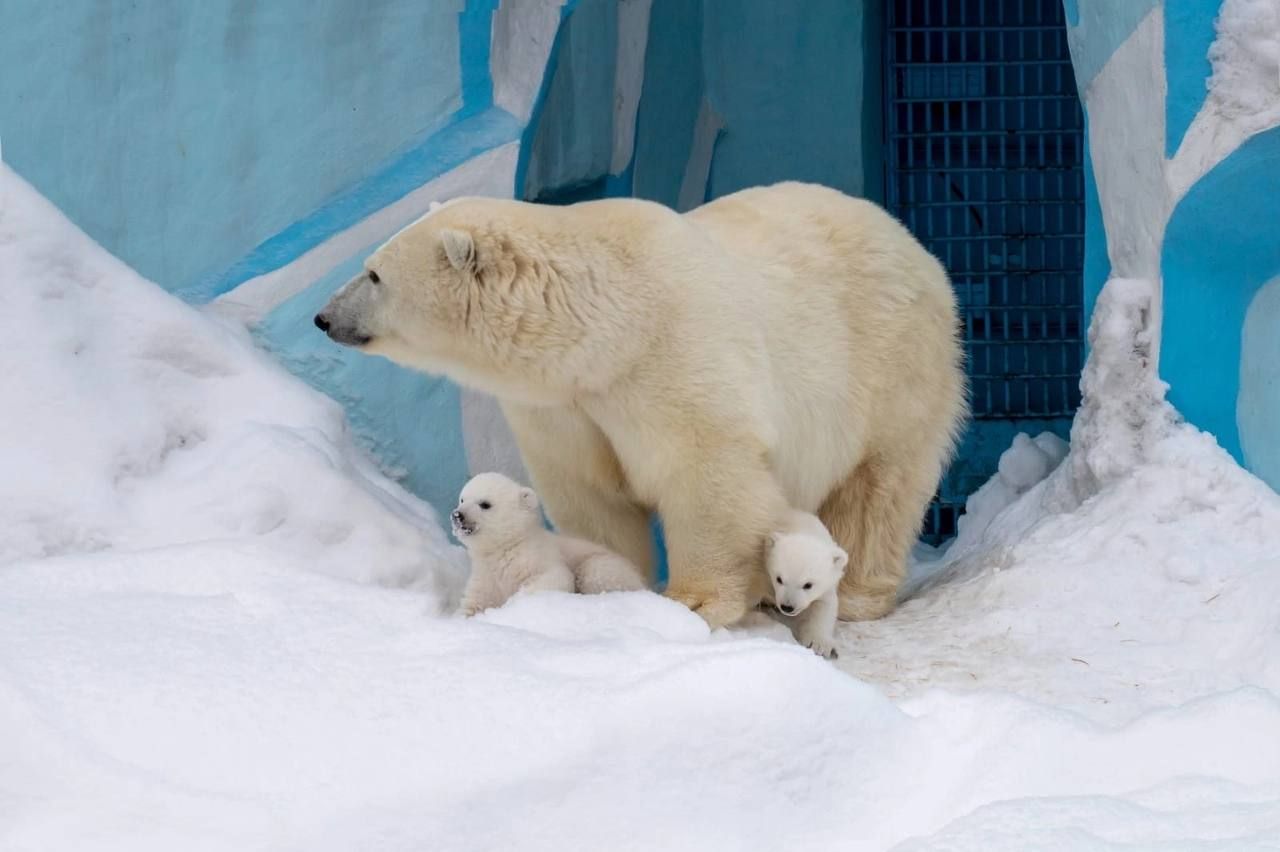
x,y
693,189
489,174
522,35
628,78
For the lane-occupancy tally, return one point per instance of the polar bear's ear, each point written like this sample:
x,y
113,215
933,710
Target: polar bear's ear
x,y
770,541
839,559
528,498
459,247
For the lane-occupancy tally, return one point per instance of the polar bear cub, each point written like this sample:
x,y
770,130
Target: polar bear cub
x,y
805,566
499,522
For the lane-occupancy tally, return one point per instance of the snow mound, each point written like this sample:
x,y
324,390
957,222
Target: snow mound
x,y
134,422
219,631
1142,573
1026,463
1245,58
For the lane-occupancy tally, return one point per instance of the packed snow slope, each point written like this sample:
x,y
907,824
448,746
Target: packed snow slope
x,y
221,628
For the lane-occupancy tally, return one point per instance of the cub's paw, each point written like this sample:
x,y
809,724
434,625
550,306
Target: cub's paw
x,y
824,650
822,645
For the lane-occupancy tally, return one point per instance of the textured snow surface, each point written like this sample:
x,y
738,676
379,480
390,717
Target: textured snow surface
x,y
1245,58
222,629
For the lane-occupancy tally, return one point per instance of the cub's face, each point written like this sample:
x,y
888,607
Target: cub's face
x,y
802,568
494,510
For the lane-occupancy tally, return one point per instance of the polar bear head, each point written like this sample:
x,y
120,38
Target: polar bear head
x,y
802,568
509,297
494,511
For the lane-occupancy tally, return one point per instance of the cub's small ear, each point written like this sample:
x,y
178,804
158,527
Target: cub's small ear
x,y
528,498
839,559
770,541
459,247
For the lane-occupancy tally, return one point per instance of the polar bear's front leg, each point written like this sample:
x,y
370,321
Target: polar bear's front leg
x,y
577,474
815,628
479,594
716,521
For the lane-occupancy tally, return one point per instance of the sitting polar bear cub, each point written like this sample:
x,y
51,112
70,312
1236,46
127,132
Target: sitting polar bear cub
x,y
805,566
499,522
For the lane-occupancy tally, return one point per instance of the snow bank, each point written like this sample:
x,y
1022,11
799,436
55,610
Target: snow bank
x,y
1243,91
1143,573
186,662
133,422
1245,58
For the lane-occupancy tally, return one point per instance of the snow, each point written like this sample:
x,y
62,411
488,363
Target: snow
x,y
1245,58
1025,464
132,422
222,628
1243,95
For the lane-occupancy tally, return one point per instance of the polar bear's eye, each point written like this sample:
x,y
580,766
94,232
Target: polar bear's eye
x,y
484,504
808,586
373,276
778,580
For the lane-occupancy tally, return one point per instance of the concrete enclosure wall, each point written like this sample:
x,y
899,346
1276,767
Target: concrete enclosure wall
x,y
1183,105
732,93
180,135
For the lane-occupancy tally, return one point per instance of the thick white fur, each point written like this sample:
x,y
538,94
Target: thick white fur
x,y
782,346
803,568
500,524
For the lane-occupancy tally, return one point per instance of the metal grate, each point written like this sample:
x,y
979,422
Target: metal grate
x,y
983,162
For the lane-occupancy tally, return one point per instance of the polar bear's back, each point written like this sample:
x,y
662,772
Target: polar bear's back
x,y
860,321
824,240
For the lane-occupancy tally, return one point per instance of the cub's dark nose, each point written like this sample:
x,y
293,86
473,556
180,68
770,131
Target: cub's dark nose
x,y
321,322
787,609
457,515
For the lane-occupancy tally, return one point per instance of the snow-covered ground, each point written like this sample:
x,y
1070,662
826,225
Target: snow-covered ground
x,y
221,628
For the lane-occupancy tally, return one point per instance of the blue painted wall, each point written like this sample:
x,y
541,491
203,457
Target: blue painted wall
x,y
572,141
1188,32
797,86
1258,405
181,135
789,80
1220,256
1221,247
673,92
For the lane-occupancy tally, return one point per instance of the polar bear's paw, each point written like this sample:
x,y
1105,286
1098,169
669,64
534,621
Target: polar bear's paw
x,y
716,608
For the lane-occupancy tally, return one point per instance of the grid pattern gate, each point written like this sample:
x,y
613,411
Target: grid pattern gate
x,y
983,161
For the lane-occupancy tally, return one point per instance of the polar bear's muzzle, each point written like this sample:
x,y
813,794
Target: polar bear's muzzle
x,y
462,525
344,334
343,318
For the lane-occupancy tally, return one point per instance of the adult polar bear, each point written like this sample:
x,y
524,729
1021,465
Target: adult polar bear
x,y
782,346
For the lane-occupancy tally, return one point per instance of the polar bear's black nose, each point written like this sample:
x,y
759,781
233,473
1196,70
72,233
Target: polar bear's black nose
x,y
457,517
787,609
321,322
